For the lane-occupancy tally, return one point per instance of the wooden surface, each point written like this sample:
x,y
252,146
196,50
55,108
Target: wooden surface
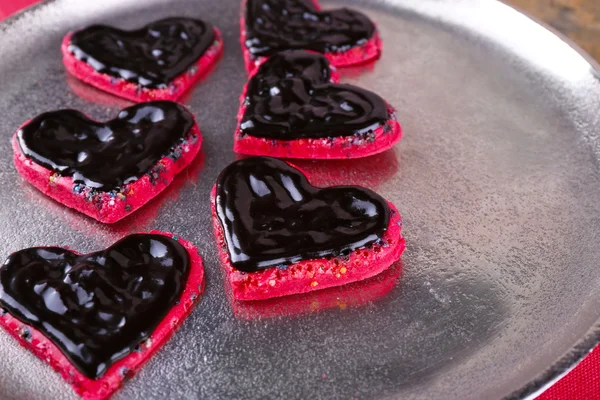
x,y
578,19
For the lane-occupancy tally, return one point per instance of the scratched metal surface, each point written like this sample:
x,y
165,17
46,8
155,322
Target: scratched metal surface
x,y
496,177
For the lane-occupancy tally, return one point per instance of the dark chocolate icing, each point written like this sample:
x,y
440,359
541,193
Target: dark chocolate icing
x,y
105,155
272,216
96,307
275,25
291,97
151,56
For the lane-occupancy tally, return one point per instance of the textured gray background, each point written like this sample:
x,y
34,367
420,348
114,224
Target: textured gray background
x,y
496,178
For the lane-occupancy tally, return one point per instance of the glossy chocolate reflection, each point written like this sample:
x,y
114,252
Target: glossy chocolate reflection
x,y
275,25
291,97
107,155
96,307
151,56
352,295
272,216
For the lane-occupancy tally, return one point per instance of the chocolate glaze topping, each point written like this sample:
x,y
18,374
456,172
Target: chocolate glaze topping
x,y
291,97
272,216
151,56
105,155
275,25
96,307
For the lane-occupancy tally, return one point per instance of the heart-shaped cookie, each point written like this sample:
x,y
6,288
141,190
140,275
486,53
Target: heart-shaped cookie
x,y
345,36
279,235
107,169
157,62
97,318
293,107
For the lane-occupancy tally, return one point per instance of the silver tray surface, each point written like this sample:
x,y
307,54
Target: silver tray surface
x,y
496,178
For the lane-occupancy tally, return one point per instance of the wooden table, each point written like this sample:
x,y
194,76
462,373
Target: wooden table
x,y
578,19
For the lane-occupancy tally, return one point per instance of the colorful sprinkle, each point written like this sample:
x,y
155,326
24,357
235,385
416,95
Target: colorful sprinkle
x,y
25,334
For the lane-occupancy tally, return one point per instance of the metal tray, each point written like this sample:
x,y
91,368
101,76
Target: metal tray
x,y
497,179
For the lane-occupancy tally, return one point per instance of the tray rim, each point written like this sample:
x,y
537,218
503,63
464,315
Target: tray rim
x,y
586,344
582,347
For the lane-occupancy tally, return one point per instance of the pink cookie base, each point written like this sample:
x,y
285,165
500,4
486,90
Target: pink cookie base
x,y
102,388
352,295
101,205
131,91
310,275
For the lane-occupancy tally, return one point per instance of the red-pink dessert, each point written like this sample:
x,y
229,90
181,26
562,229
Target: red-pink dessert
x,y
278,235
160,61
294,107
107,170
119,306
346,37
